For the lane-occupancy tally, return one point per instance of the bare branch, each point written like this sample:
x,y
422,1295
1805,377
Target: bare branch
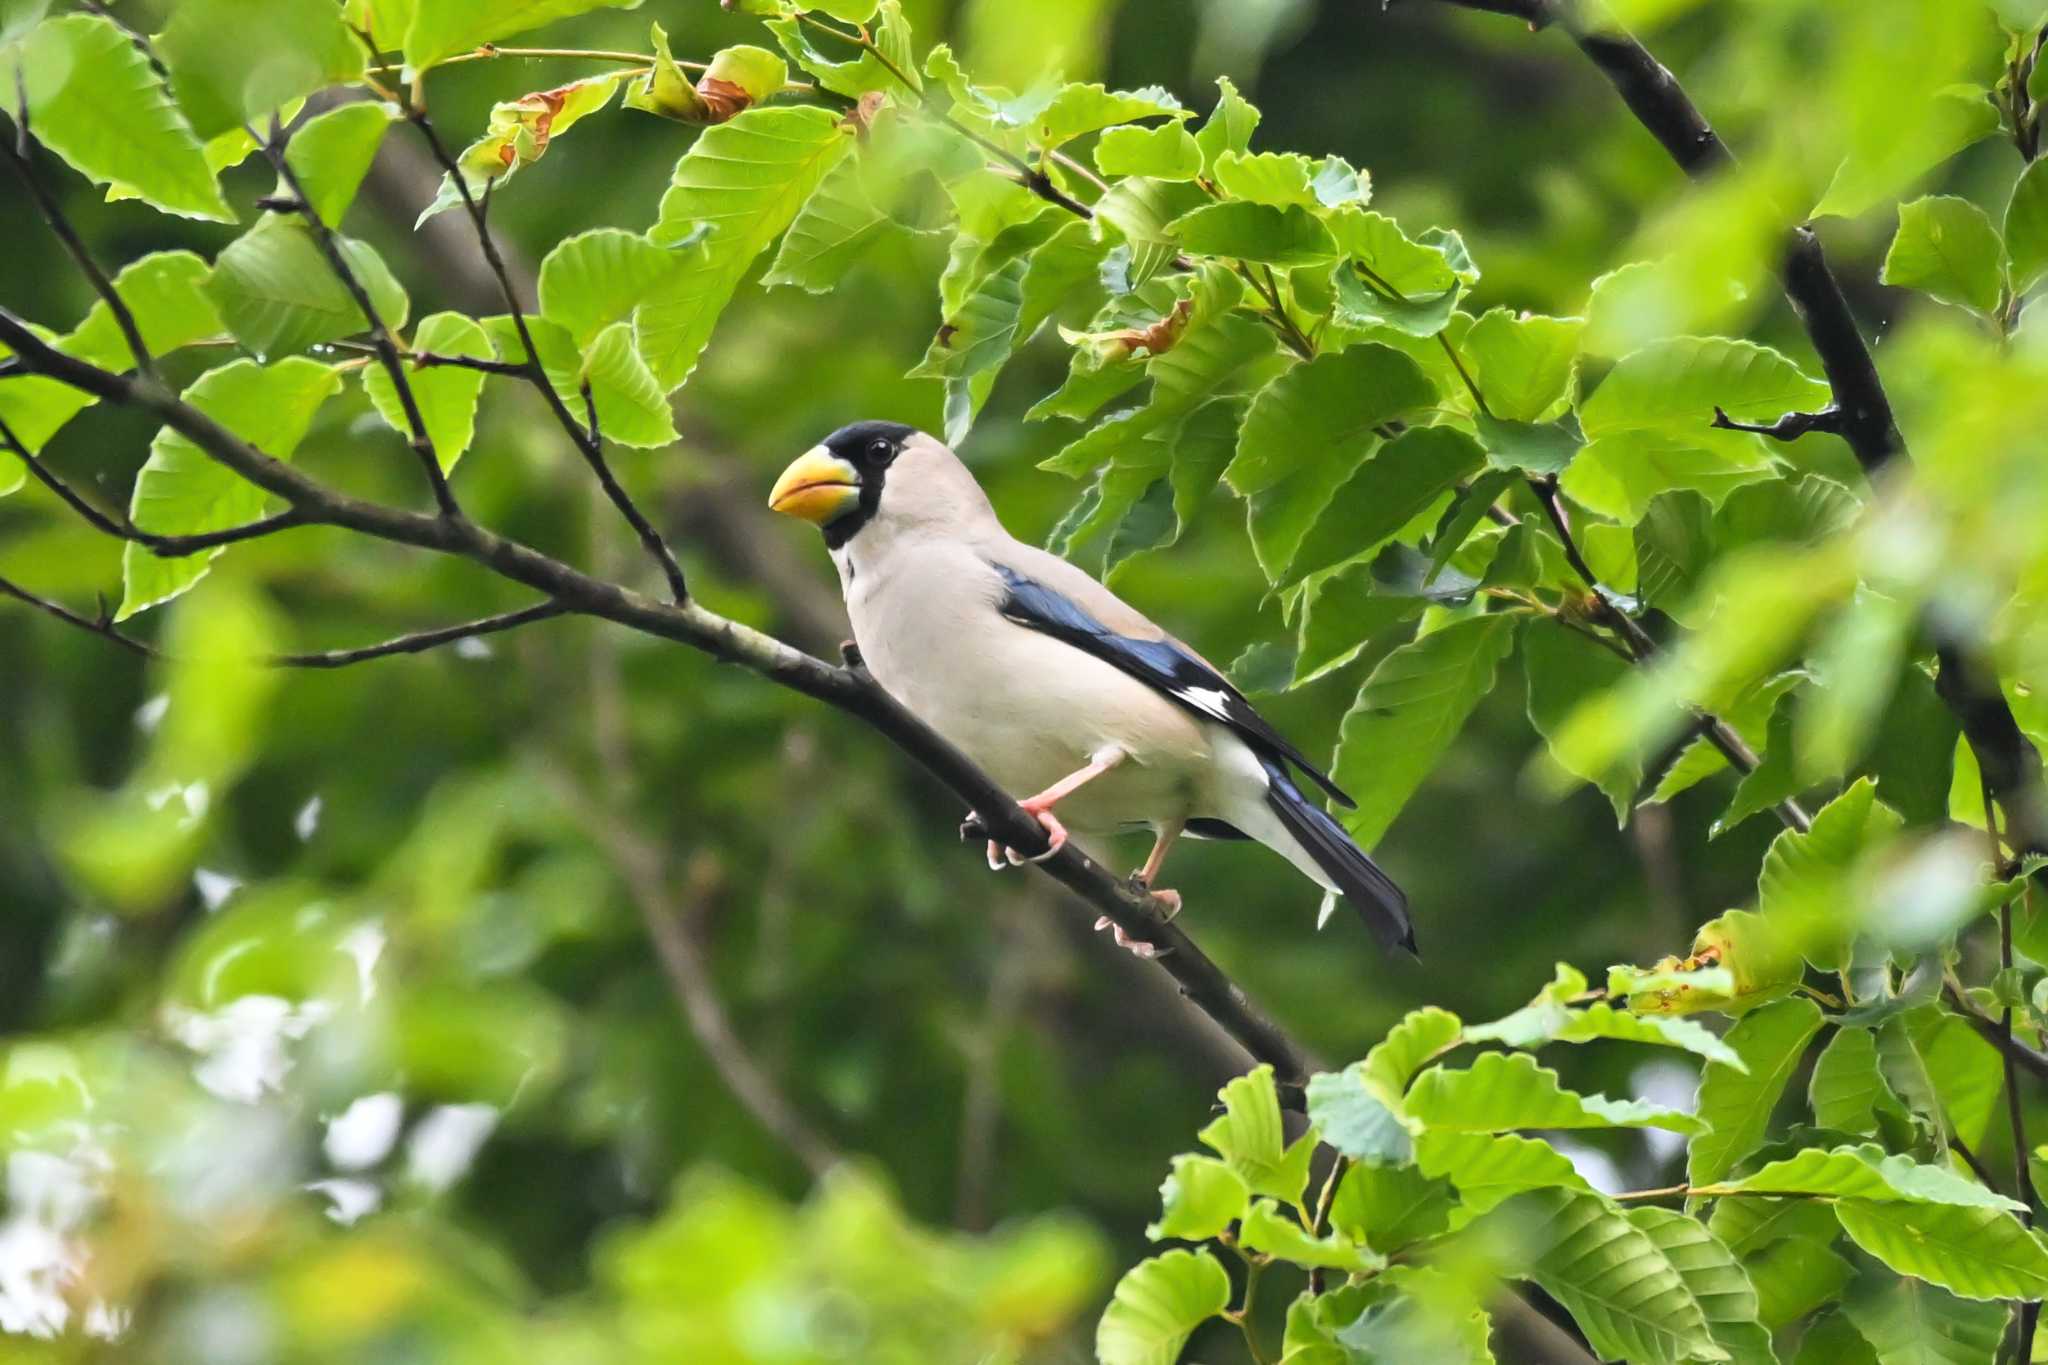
x,y
420,641
1790,427
102,626
386,345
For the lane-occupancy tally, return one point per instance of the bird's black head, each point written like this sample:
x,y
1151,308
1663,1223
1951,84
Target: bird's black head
x,y
838,483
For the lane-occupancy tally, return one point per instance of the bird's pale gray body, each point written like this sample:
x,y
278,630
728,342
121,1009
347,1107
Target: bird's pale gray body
x,y
924,590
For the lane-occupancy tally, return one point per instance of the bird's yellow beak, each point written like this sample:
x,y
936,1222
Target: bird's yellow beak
x,y
817,487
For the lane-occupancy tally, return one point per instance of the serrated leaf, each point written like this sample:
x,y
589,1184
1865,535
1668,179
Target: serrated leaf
x,y
331,153
1229,126
278,295
1868,1172
1168,152
1408,713
232,62
1276,178
1502,1091
1563,668
596,278
1489,1168
1394,483
165,291
1289,236
447,394
863,72
1803,872
1522,363
1736,1105
1389,1207
1908,1322
1249,1136
1143,211
1083,108
1947,248
1200,1198
837,224
1267,1229
182,491
1361,1116
442,28
747,179
1341,613
2026,227
1977,1253
1158,1304
1675,385
94,100
1716,1281
1847,1089
1609,1274
1541,448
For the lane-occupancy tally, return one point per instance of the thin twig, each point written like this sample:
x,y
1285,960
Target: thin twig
x,y
651,539
1987,1028
420,641
1790,427
103,626
53,214
386,344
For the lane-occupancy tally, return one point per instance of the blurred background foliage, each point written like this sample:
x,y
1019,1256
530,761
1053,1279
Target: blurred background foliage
x,y
375,986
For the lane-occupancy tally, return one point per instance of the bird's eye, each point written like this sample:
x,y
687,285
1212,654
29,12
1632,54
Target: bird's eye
x,y
879,450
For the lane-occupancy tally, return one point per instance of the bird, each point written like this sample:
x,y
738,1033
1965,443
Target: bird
x,y
1054,685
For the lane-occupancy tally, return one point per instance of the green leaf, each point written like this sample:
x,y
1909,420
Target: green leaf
x,y
1910,1323
2026,228
1803,873
1201,1197
1390,487
1158,1304
1774,779
1080,109
1619,476
1361,1116
276,292
837,224
747,179
1249,1136
1609,1274
1229,126
1831,1339
1276,178
1508,1090
1269,1230
1522,363
519,133
1736,1105
1977,1253
597,278
1168,152
1847,1089
1903,150
17,17
1420,1313
858,75
1144,212
94,100
1341,614
1489,1168
1675,385
983,294
1529,447
1869,1173
1946,247
232,62
1305,433
1390,279
330,154
1287,236
182,491
1389,1207
1409,711
447,394
1563,668
1716,1281
442,28
1967,1073
166,292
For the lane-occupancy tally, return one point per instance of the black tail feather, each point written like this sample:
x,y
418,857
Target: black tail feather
x,y
1371,892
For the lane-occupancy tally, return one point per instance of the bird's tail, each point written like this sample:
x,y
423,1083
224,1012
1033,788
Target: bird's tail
x,y
1371,892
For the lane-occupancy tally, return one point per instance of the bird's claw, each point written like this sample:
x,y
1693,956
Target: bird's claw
x,y
1055,840
1137,947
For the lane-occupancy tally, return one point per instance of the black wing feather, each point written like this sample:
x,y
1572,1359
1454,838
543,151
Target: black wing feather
x,y
1163,664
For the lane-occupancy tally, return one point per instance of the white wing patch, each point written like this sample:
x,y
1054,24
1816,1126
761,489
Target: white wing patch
x,y
1207,700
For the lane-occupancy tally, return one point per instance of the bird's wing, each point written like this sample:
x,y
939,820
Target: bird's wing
x,y
1154,658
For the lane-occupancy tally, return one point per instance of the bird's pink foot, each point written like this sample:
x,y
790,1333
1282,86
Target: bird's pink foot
x,y
1055,835
1169,901
1137,947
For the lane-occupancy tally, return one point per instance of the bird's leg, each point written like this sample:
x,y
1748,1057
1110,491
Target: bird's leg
x,y
1144,876
1040,808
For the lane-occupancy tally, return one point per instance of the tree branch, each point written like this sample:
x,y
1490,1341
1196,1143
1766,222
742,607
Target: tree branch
x,y
1201,981
103,626
1987,1028
650,539
16,153
1790,427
